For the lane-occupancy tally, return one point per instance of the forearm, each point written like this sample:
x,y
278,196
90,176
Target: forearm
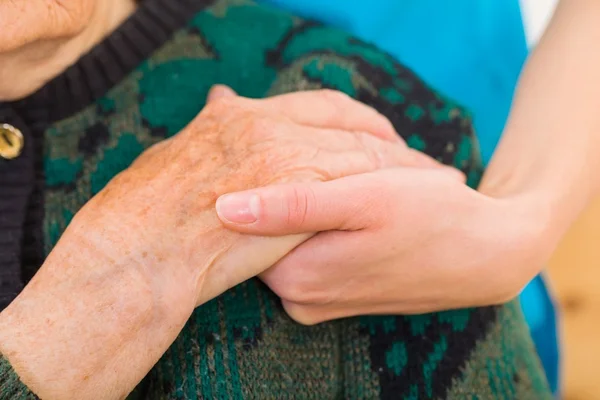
x,y
551,142
76,334
100,313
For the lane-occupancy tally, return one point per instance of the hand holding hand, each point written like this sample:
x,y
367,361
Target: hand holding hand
x,y
135,261
396,241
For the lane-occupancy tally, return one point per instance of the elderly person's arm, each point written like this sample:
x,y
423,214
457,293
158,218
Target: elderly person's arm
x,y
141,255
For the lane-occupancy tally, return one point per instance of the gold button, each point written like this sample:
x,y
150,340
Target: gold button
x,y
11,141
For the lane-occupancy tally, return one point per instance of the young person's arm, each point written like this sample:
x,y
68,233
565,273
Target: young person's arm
x,y
550,149
428,242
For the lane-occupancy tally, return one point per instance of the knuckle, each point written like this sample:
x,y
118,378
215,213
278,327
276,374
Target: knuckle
x,y
294,287
294,291
222,106
415,158
385,124
334,96
396,156
300,204
300,313
372,149
336,100
259,132
257,125
303,292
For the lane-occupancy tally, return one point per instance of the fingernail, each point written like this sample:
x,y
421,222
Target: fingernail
x,y
240,208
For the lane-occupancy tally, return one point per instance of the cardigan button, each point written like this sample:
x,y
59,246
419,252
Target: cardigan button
x,y
11,142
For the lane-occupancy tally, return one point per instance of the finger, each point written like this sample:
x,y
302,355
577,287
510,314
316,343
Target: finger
x,y
219,91
298,208
343,153
312,314
351,203
411,157
369,153
315,314
326,255
454,173
334,110
284,209
417,159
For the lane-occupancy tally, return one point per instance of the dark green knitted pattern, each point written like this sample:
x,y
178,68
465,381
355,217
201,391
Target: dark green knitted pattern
x,y
242,345
11,386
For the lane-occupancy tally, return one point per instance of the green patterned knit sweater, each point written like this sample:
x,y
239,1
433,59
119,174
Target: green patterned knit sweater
x,y
242,345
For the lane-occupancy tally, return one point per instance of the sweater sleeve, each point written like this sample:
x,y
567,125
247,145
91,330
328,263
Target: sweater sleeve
x,y
11,387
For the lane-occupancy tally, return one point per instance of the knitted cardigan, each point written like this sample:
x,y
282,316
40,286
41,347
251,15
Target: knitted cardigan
x,y
144,83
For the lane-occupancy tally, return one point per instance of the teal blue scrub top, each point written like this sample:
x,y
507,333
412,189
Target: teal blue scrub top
x,y
471,50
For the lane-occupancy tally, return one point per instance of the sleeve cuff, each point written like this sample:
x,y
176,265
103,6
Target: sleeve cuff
x,y
11,387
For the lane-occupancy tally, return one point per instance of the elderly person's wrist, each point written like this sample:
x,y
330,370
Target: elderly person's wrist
x,y
83,316
126,249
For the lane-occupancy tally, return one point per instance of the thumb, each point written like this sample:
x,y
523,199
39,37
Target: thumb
x,y
296,208
218,91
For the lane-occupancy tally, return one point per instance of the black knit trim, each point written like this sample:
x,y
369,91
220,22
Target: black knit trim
x,y
16,186
108,63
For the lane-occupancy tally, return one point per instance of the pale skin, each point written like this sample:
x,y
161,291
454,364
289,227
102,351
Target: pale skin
x,y
396,241
538,182
149,248
135,285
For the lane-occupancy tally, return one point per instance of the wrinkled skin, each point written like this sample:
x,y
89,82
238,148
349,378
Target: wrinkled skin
x,y
160,211
149,248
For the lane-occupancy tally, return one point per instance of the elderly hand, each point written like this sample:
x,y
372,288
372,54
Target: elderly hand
x,y
134,262
396,241
161,210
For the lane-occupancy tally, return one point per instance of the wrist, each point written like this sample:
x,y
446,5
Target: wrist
x,y
535,215
540,162
86,322
125,246
550,196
